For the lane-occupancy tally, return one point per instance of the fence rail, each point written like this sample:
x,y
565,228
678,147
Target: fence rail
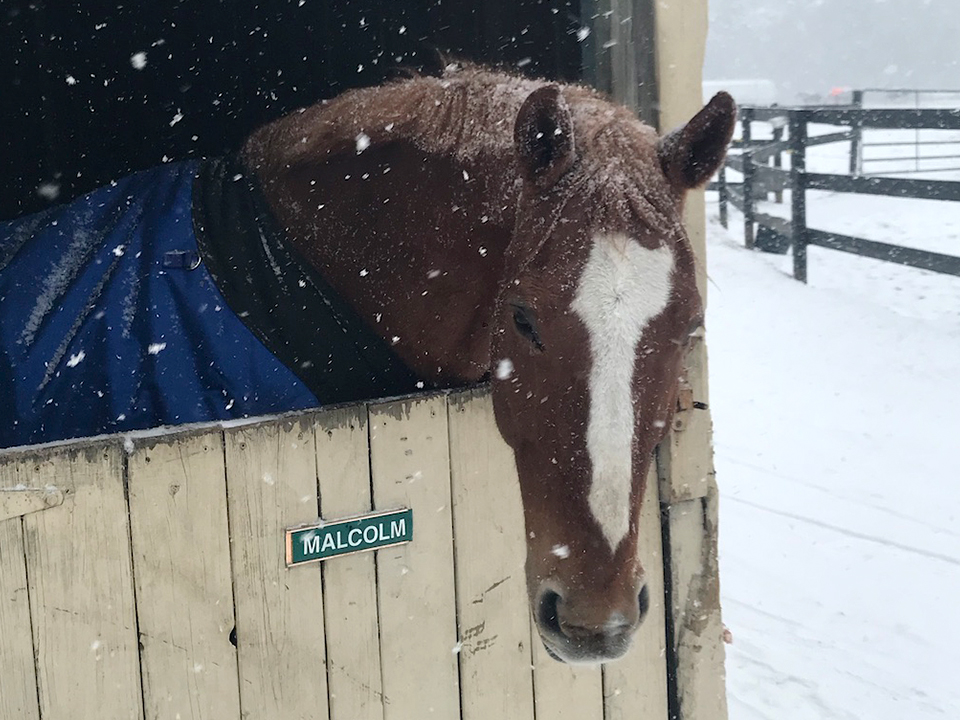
x,y
759,179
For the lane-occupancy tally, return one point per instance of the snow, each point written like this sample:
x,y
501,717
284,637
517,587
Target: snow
x,y
138,60
156,348
836,427
561,551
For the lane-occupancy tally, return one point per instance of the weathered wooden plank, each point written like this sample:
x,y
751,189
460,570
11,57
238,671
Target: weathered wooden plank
x,y
350,582
23,501
623,53
685,456
565,692
493,617
81,588
636,685
686,467
272,484
18,676
181,558
698,628
418,626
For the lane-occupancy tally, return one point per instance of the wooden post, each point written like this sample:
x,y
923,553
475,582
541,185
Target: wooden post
x,y
619,53
856,133
778,161
798,193
688,496
746,116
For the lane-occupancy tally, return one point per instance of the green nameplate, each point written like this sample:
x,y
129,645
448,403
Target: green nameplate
x,y
330,538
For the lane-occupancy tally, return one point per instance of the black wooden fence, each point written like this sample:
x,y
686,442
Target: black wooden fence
x,y
875,156
760,178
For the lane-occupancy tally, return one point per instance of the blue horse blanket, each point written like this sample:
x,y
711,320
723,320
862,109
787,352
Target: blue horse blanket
x,y
113,317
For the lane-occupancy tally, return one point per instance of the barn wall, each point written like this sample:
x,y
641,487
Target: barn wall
x,y
145,577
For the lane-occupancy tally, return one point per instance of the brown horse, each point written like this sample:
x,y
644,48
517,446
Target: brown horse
x,y
485,224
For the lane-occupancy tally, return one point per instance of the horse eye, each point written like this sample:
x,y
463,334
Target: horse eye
x,y
526,326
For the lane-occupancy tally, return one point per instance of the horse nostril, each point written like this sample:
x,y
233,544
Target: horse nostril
x,y
547,612
644,603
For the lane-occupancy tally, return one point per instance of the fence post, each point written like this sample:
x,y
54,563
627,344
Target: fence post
x,y
722,189
856,136
798,197
746,116
778,161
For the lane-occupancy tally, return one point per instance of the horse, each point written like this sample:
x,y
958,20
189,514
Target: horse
x,y
468,227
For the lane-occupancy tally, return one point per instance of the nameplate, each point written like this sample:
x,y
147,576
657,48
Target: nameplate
x,y
333,538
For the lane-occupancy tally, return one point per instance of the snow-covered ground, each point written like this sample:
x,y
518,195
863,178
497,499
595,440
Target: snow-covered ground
x,y
837,429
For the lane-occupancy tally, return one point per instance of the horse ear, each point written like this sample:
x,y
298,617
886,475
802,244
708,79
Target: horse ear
x,y
543,135
690,155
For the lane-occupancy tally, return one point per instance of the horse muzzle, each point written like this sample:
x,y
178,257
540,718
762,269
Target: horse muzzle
x,y
576,635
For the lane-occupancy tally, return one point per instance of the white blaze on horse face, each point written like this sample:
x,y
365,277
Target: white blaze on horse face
x,y
623,287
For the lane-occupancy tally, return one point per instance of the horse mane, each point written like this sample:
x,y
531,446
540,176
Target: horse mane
x,y
467,112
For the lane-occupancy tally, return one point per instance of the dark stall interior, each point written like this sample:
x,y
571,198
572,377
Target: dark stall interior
x,y
91,91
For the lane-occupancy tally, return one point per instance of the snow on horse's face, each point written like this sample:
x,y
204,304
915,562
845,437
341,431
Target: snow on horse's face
x,y
594,315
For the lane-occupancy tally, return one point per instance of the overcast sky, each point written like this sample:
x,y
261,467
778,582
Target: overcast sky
x,y
811,46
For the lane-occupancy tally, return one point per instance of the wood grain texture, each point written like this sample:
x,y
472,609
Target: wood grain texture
x,y
418,627
688,484
14,503
18,676
181,554
686,455
350,582
636,685
565,692
698,633
271,485
81,588
493,615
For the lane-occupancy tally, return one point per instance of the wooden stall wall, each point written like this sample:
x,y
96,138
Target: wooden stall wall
x,y
145,577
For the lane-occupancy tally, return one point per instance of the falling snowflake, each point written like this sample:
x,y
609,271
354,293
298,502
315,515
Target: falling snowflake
x,y
561,551
49,191
76,359
138,60
156,348
504,369
363,142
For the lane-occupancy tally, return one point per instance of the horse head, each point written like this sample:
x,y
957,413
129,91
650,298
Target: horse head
x,y
488,223
597,305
